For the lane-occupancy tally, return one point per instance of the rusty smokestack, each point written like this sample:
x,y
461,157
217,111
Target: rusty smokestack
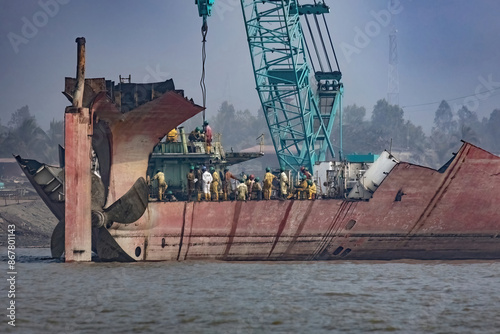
x,y
80,73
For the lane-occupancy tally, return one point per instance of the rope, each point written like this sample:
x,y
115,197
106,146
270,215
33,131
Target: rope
x,y
204,31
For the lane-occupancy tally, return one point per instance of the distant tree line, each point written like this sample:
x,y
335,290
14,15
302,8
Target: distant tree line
x,y
23,136
385,129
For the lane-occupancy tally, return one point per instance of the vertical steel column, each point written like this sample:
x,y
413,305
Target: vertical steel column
x,y
77,185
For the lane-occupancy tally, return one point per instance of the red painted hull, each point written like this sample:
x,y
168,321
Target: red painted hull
x,y
449,215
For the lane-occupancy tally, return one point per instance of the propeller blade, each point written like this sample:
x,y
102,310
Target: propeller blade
x,y
130,206
57,240
108,249
98,196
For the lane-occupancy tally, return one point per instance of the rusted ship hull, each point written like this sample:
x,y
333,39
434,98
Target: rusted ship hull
x,y
452,214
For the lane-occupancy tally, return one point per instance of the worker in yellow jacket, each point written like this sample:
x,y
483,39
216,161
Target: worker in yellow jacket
x,y
162,185
214,186
268,183
172,136
312,189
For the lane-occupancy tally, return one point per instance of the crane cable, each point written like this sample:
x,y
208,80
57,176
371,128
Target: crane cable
x,y
204,31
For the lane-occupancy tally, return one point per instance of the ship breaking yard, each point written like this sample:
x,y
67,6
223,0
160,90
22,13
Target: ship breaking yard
x,y
151,190
144,208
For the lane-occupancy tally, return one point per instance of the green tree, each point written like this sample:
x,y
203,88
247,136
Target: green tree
x,y
492,133
387,125
443,139
19,116
443,119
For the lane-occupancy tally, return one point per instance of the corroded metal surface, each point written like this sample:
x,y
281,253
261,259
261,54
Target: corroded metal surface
x,y
449,215
133,135
77,185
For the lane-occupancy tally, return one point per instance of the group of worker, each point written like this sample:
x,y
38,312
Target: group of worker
x,y
210,184
202,135
201,181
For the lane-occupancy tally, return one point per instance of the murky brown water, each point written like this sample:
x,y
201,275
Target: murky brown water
x,y
221,297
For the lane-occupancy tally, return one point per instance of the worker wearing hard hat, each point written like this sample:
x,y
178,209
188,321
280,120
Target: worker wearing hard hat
x,y
215,184
268,183
257,188
305,172
170,197
162,185
195,135
207,180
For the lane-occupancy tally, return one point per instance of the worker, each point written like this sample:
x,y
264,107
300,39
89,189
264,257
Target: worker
x,y
257,188
301,189
305,172
162,185
197,183
227,189
242,191
268,183
312,189
195,135
172,136
302,192
250,182
170,197
190,183
215,184
283,183
207,131
207,180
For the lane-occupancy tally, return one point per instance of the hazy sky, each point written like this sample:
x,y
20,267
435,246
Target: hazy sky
x,y
448,49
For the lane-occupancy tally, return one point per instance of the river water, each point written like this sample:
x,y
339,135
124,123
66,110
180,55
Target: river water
x,y
252,297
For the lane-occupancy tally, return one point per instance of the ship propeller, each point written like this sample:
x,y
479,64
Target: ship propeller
x,y
129,208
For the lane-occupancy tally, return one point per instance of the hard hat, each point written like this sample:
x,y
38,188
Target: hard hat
x,y
257,179
309,182
226,169
169,192
212,168
191,168
282,169
197,167
268,169
198,129
203,168
205,123
306,169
